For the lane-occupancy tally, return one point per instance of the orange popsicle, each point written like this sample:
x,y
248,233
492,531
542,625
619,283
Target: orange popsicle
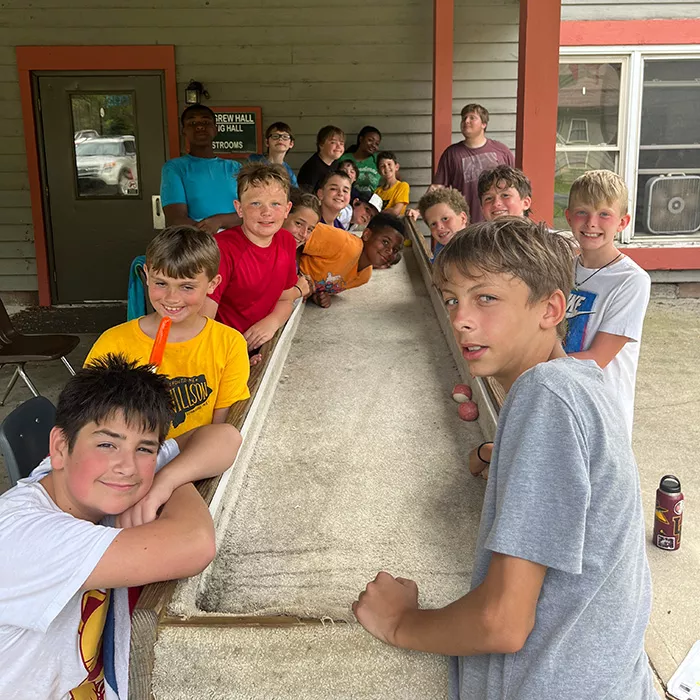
x,y
160,341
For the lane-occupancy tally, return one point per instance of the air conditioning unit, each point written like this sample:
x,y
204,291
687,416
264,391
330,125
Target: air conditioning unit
x,y
672,204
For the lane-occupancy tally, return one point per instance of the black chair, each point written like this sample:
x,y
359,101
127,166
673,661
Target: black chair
x,y
24,436
18,349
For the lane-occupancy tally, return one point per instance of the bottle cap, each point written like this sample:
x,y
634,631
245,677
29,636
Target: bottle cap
x,y
670,484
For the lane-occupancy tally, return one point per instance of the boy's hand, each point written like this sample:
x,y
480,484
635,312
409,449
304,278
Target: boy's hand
x,y
306,285
322,298
259,333
146,510
382,605
412,214
211,224
478,466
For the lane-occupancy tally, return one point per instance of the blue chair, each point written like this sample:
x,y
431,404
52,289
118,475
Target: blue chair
x,y
24,436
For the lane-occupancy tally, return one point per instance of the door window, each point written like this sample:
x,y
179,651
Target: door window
x,y
104,141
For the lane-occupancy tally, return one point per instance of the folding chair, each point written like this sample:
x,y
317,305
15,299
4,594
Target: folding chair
x,y
18,349
24,436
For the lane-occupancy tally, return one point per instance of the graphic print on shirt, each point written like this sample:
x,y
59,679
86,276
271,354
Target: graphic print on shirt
x,y
473,166
188,394
333,284
93,613
579,308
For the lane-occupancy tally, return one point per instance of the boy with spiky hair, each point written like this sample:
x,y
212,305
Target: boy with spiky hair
x,y
611,292
258,260
205,361
504,191
556,602
64,611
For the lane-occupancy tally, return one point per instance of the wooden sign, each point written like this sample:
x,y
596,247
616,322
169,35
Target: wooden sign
x,y
239,131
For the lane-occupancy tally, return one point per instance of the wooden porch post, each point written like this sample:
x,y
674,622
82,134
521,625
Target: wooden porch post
x,y
443,40
538,87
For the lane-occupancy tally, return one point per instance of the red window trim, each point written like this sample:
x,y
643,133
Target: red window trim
x,y
652,32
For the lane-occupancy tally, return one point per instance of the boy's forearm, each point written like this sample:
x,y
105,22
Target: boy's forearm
x,y
282,311
209,451
459,629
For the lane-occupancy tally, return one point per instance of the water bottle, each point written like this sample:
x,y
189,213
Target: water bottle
x,y
668,517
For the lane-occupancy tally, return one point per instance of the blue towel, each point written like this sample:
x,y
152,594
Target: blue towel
x,y
136,297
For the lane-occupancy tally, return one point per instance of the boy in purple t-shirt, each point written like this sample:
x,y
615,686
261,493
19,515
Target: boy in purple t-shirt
x,y
462,163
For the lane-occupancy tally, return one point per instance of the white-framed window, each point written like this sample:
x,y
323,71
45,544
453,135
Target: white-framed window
x,y
634,110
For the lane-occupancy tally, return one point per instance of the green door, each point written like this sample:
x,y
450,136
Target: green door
x,y
104,143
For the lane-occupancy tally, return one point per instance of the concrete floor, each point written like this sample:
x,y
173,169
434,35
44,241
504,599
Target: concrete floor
x,y
666,435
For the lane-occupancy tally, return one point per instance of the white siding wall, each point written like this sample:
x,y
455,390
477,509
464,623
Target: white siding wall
x,y
306,62
576,10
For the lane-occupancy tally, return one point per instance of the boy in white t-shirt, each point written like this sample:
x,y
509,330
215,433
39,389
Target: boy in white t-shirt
x,y
606,308
64,615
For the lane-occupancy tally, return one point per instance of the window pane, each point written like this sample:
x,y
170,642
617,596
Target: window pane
x,y
671,102
669,145
589,103
570,165
104,137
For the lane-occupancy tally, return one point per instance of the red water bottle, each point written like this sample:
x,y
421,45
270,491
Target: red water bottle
x,y
668,517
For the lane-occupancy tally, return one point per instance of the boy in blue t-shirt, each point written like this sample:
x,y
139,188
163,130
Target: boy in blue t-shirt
x,y
198,189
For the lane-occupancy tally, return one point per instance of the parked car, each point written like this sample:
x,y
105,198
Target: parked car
x,y
84,135
107,163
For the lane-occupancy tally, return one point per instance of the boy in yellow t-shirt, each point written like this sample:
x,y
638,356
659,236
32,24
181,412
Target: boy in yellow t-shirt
x,y
337,260
394,193
205,361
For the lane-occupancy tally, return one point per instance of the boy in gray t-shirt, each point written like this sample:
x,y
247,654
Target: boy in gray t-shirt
x,y
561,591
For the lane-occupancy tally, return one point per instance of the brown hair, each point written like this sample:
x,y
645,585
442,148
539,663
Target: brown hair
x,y
304,200
598,187
327,132
281,127
386,155
333,173
477,109
515,246
259,174
503,177
444,195
182,252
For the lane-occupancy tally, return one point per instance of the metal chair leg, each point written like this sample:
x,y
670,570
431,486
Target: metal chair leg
x,y
10,386
27,380
68,365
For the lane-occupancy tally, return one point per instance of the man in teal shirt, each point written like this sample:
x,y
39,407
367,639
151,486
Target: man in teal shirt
x,y
198,188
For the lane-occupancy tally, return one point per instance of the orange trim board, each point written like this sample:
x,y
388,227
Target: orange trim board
x,y
443,40
687,258
83,58
648,32
538,92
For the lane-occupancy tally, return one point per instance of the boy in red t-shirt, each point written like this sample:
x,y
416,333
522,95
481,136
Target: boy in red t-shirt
x,y
259,280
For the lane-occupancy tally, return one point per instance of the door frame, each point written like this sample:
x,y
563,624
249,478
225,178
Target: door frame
x,y
85,59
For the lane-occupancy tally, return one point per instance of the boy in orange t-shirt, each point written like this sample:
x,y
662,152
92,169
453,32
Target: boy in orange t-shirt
x,y
337,260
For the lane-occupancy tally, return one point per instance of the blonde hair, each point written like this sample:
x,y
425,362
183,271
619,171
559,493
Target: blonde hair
x,y
182,252
444,195
260,174
598,187
514,246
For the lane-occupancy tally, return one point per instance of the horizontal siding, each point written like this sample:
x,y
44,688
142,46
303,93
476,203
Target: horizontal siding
x,y
583,10
373,67
493,83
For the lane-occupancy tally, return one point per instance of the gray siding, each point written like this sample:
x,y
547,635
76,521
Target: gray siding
x,y
577,10
327,61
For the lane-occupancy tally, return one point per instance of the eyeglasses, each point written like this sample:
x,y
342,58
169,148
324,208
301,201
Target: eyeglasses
x,y
280,137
